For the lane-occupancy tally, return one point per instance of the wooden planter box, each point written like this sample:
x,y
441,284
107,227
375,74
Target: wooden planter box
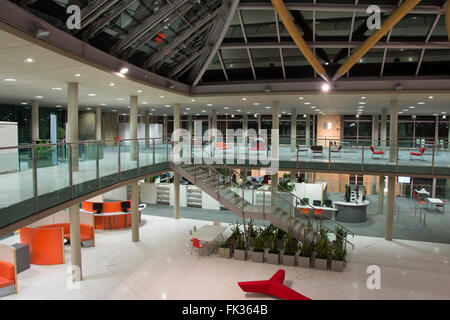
x,y
258,256
240,254
321,264
304,262
289,260
273,258
337,265
225,253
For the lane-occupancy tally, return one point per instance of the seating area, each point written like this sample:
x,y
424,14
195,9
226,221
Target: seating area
x,y
376,152
87,234
7,278
317,150
417,155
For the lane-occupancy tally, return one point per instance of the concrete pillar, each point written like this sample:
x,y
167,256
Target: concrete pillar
x,y
393,130
98,123
375,124
72,121
380,194
34,121
176,176
275,142
133,127
293,129
75,242
134,211
390,208
383,129
308,130
147,129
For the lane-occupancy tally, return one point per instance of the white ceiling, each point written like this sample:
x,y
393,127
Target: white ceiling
x,y
53,70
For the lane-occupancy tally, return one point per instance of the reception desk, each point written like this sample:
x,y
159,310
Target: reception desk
x,y
350,211
111,217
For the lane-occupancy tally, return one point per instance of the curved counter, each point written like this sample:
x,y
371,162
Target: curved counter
x,y
351,212
111,217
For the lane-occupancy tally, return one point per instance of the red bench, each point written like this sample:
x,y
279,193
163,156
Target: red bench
x,y
86,232
7,278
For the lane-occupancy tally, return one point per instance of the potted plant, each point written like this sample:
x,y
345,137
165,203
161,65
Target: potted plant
x,y
252,233
338,258
322,250
306,247
290,248
240,250
273,257
258,251
225,249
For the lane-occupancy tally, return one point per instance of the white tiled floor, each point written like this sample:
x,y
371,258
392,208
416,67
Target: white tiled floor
x,y
160,267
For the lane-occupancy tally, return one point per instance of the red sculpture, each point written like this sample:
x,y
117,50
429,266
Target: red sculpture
x,y
274,287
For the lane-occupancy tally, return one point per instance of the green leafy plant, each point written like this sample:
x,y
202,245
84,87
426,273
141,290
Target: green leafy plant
x,y
284,186
307,241
251,230
274,243
235,231
290,244
44,152
240,242
322,246
150,179
341,235
339,252
259,242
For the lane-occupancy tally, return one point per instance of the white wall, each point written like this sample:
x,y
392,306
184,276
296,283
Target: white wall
x,y
209,202
9,159
313,191
119,194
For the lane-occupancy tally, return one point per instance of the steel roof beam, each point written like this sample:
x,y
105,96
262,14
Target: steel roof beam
x,y
326,44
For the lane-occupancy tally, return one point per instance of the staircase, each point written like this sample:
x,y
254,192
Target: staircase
x,y
279,209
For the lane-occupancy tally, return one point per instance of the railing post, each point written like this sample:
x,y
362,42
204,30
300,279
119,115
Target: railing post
x,y
432,161
329,156
71,172
119,162
137,157
362,158
154,151
97,163
396,158
35,184
297,158
264,203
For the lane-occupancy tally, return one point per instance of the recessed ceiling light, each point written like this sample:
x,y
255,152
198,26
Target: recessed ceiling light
x,y
307,103
238,110
58,106
405,110
144,102
88,108
103,104
301,98
203,110
193,100
443,112
124,70
267,107
188,109
29,60
167,106
161,97
112,84
400,112
313,107
77,75
256,103
283,112
120,99
92,94
363,98
10,80
139,91
412,107
226,108
362,103
325,87
248,112
39,97
197,114
57,89
128,107
430,97
185,113
209,105
435,114
120,75
420,102
244,99
24,103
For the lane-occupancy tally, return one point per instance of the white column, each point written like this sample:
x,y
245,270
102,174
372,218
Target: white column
x,y
34,121
390,208
75,242
375,124
133,127
134,211
383,133
176,176
293,129
72,121
308,130
393,130
214,126
98,123
275,144
380,194
147,129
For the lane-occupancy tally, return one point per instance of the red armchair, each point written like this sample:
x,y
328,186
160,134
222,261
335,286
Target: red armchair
x,y
377,152
7,278
417,154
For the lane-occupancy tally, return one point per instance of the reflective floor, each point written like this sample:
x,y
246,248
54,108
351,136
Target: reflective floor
x,y
161,267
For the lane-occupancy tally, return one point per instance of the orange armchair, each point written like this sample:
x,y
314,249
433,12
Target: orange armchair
x,y
7,278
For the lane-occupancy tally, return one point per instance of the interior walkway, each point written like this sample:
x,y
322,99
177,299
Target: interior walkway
x,y
160,267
